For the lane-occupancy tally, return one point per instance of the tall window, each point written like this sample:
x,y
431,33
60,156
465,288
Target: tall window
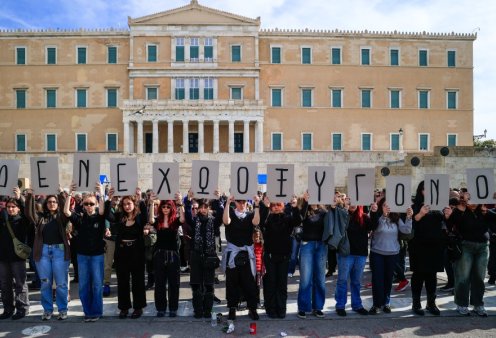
x,y
452,140
51,56
275,55
51,98
51,142
366,141
21,142
423,99
306,97
236,53
112,54
395,141
194,50
81,142
337,141
236,93
451,98
180,93
179,49
306,141
111,142
394,57
151,53
276,141
451,58
81,55
276,97
20,55
111,97
423,141
208,90
337,98
306,55
208,50
366,98
394,96
423,58
194,89
365,56
238,142
152,93
336,56
81,98
21,98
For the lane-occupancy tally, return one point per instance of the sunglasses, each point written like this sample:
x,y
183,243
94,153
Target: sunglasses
x,y
195,208
89,204
166,206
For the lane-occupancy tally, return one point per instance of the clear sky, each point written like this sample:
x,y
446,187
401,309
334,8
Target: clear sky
x,y
438,16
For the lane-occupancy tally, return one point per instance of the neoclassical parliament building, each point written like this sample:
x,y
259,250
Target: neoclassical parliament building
x,y
200,80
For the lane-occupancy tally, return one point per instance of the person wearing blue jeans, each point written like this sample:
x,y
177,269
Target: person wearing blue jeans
x,y
293,260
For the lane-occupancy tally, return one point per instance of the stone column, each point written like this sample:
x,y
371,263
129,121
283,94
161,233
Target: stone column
x,y
185,137
170,136
231,137
246,137
140,137
155,136
201,148
126,137
216,137
259,137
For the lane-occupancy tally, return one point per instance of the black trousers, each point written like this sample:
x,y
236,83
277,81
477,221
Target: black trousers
x,y
275,284
332,260
418,280
130,269
202,285
241,280
166,269
14,271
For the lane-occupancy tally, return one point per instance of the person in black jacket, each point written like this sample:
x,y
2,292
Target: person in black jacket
x,y
11,266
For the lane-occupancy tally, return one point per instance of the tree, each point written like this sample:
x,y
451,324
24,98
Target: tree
x,y
485,144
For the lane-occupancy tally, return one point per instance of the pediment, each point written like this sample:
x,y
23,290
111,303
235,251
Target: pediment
x,y
193,14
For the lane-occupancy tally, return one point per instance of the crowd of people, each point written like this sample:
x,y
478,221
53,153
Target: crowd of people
x,y
146,238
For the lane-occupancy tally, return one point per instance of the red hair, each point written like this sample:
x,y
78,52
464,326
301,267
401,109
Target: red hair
x,y
171,218
358,216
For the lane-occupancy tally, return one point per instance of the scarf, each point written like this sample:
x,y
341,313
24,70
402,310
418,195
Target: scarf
x,y
204,241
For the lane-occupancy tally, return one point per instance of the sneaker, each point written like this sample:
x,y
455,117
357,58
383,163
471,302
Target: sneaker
x,y
172,314
46,316
19,315
446,288
184,269
136,313
341,312
318,313
463,310
106,290
94,319
6,314
86,319
480,311
62,315
374,310
302,315
361,311
160,314
402,285
386,309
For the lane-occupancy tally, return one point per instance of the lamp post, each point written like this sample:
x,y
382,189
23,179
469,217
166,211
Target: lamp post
x,y
400,132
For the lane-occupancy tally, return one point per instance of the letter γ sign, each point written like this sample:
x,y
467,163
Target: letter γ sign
x,y
361,186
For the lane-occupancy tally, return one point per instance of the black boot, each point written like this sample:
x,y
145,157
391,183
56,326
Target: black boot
x,y
198,304
208,303
232,314
431,305
417,306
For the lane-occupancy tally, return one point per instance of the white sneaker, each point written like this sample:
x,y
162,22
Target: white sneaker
x,y
480,310
46,316
463,310
62,315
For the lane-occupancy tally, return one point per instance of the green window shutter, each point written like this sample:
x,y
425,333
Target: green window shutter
x,y
51,56
306,56
276,55
81,142
395,98
152,53
307,142
21,98
276,141
306,97
395,142
423,58
194,52
81,98
365,56
180,93
394,55
51,99
236,53
208,93
366,142
81,55
21,142
336,98
179,53
366,98
451,58
51,142
423,99
111,142
451,100
336,142
209,52
112,54
152,93
276,97
424,142
111,98
21,56
336,56
194,93
235,93
451,140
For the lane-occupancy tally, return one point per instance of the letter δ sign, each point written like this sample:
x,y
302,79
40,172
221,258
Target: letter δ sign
x,y
244,180
165,179
45,175
436,191
361,186
480,185
399,193
205,178
86,171
280,182
9,171
124,175
321,185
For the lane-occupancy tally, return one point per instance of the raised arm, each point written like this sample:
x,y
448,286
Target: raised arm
x,y
30,210
100,198
256,217
226,219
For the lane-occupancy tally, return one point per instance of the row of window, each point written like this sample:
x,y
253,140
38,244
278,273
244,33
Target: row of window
x,y
51,55
21,142
366,141
80,98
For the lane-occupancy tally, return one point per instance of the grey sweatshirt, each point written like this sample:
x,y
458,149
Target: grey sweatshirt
x,y
385,237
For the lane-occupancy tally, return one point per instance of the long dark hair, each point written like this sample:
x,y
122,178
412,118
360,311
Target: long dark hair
x,y
171,218
419,195
394,217
45,204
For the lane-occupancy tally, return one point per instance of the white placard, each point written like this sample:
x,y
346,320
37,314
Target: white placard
x,y
321,185
280,182
124,176
480,185
45,175
205,178
165,179
436,191
9,174
361,186
86,171
399,193
244,180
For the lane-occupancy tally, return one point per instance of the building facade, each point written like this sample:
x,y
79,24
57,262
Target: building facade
x,y
199,80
